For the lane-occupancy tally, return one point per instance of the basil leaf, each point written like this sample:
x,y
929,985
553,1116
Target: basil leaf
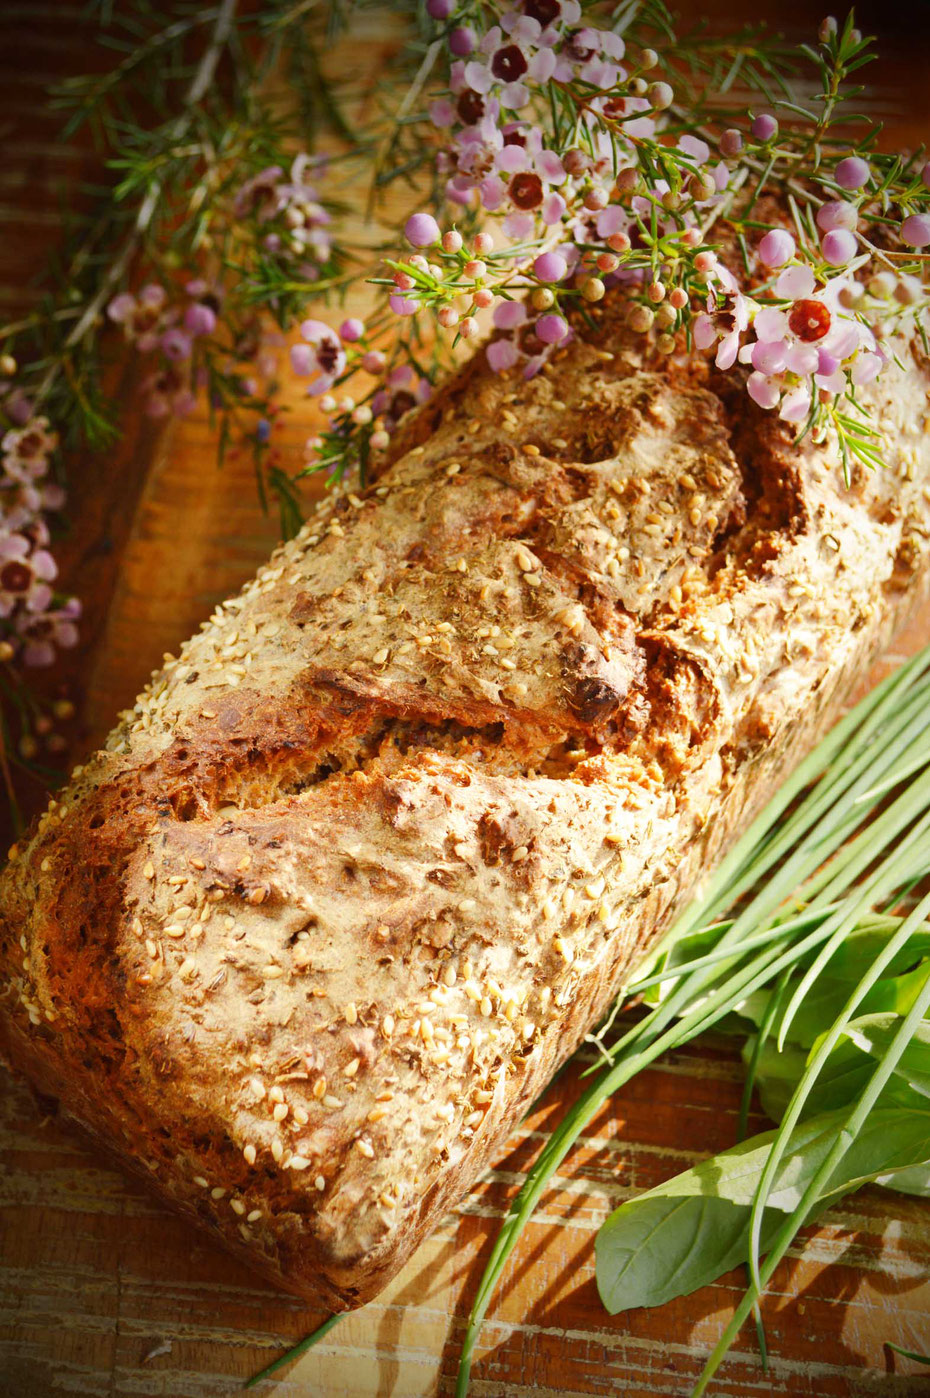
x,y
822,1006
913,1180
842,1079
873,1033
692,1229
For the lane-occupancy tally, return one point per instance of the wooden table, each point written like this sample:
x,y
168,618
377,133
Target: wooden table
x,y
102,1292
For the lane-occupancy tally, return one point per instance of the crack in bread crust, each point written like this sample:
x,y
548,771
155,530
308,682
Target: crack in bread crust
x,y
368,858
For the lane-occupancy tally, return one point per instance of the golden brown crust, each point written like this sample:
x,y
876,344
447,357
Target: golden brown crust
x,y
366,860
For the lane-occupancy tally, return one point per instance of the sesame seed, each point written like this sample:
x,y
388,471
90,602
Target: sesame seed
x,y
254,1216
319,1088
237,1207
148,871
217,1192
352,1068
365,1148
277,1150
249,1153
350,1014
387,1026
280,1111
332,1102
319,1183
199,1180
298,1162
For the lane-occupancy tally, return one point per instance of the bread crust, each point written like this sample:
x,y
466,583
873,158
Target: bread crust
x,y
367,860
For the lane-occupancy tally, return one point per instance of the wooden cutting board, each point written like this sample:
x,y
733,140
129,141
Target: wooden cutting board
x,y
104,1293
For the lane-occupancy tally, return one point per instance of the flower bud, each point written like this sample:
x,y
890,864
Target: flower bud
x,y
551,329
550,267
593,289
776,247
882,285
678,298
731,142
661,96
483,244
701,187
648,59
576,161
827,30
665,344
421,230
764,127
8,366
641,318
656,292
852,173
915,230
596,199
851,295
452,241
838,247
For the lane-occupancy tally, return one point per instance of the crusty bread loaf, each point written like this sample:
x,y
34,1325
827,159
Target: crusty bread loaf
x,y
366,861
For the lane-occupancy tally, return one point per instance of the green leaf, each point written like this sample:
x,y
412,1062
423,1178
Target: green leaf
x,y
873,1035
913,1180
694,1228
889,995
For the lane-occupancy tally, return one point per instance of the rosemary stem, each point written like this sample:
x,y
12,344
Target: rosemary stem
x,y
203,77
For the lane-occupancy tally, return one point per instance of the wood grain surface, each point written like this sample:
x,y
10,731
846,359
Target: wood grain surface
x,y
104,1293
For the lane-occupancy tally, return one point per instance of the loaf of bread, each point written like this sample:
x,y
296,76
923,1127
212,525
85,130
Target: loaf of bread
x,y
367,860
